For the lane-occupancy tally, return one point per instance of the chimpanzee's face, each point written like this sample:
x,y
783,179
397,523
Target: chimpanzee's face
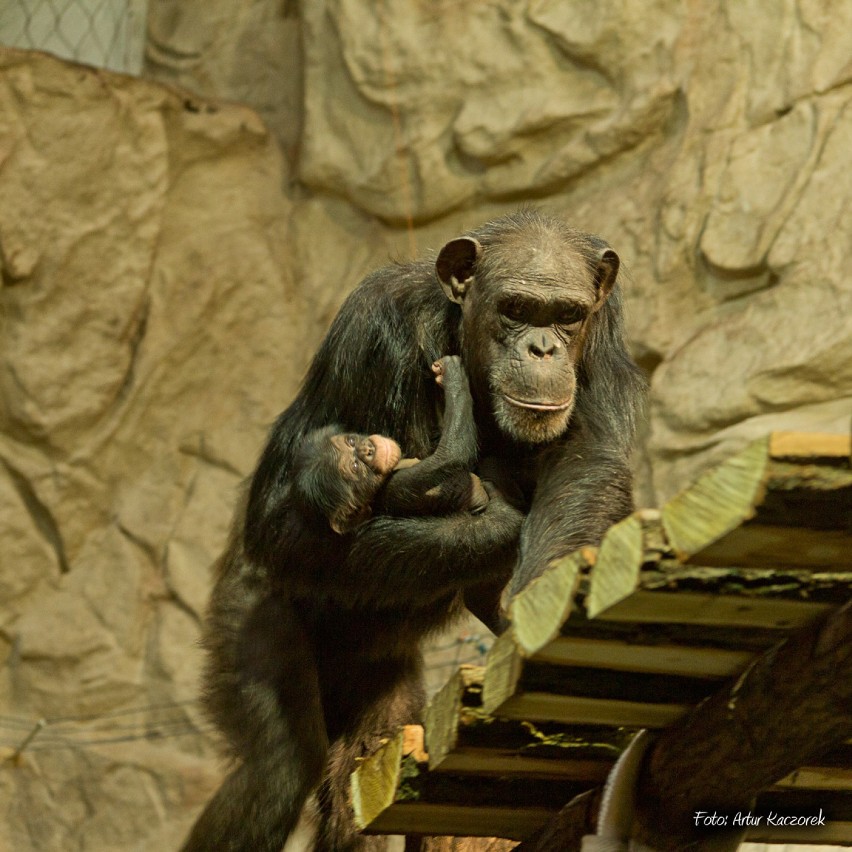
x,y
365,458
337,474
526,306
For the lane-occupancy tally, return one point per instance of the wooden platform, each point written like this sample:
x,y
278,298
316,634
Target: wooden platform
x,y
672,608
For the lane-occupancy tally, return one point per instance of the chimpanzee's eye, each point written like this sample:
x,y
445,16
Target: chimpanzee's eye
x,y
350,440
514,311
356,466
570,316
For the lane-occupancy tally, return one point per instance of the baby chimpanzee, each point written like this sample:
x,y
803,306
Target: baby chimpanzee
x,y
348,477
311,661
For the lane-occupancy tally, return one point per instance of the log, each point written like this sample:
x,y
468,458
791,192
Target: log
x,y
786,500
565,830
787,708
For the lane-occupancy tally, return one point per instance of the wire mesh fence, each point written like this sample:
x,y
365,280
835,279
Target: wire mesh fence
x,y
106,33
152,722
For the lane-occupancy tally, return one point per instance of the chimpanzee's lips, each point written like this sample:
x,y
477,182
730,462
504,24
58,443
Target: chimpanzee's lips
x,y
387,454
539,406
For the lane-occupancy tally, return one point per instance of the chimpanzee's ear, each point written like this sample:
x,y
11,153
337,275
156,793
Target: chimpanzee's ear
x,y
456,265
346,519
605,275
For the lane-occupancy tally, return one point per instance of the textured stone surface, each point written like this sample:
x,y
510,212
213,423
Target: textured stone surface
x,y
429,108
168,265
142,243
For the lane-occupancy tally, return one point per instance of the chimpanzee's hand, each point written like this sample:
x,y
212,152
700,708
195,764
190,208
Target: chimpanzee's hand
x,y
478,495
449,373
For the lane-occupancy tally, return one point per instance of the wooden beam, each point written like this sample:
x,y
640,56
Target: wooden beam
x,y
464,820
462,738
393,793
538,612
787,708
635,579
661,658
786,500
376,781
629,604
565,830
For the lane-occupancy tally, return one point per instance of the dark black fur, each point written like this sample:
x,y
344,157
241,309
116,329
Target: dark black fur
x,y
361,605
398,321
315,656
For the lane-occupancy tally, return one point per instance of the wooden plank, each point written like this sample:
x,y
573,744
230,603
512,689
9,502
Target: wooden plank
x,y
786,500
618,568
802,446
376,780
505,663
543,706
819,778
538,612
686,636
646,605
442,717
462,820
412,799
463,738
835,832
490,761
627,656
634,578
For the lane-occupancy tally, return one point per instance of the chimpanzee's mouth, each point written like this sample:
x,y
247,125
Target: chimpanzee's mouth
x,y
387,453
539,406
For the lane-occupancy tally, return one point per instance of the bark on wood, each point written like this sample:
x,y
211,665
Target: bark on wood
x,y
565,831
638,632
786,709
785,500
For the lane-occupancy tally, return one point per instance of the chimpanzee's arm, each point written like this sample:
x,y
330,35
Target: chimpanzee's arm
x,y
396,560
582,490
441,482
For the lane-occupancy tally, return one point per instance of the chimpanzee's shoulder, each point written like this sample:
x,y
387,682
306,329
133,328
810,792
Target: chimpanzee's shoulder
x,y
399,292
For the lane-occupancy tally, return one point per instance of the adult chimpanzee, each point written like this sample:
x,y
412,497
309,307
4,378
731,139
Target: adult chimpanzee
x,y
534,310
313,658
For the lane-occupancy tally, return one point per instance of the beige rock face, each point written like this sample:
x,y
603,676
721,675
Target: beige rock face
x,y
169,264
433,108
143,239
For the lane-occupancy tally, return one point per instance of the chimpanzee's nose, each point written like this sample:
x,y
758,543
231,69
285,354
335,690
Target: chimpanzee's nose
x,y
542,349
367,450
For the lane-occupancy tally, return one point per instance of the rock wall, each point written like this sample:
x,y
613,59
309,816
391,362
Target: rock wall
x,y
169,262
151,328
706,142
